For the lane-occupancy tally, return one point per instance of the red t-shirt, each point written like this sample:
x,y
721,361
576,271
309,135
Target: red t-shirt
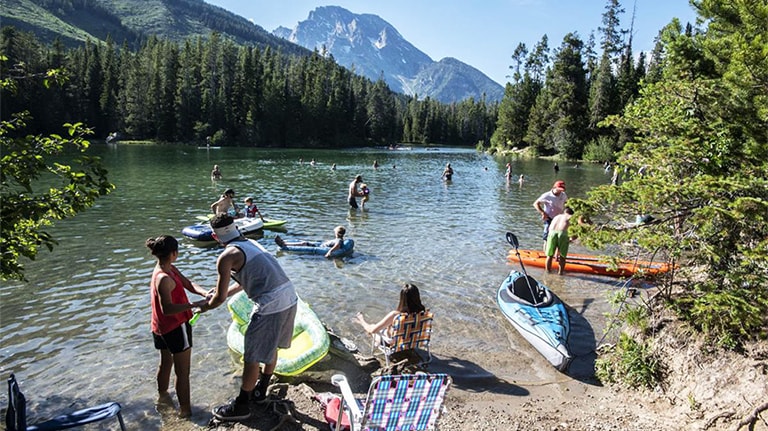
x,y
162,323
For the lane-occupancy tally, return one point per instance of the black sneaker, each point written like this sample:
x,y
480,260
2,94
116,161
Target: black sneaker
x,y
232,412
257,396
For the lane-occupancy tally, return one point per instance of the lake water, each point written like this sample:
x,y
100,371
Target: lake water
x,y
78,331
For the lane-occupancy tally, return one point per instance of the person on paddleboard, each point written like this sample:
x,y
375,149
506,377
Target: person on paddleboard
x,y
226,205
251,210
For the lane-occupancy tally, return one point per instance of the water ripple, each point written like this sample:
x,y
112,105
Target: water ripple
x,y
86,305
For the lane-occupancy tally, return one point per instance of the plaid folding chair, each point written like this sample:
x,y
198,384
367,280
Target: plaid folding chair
x,y
394,402
16,415
409,332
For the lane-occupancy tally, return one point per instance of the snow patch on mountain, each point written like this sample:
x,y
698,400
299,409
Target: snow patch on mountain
x,y
386,53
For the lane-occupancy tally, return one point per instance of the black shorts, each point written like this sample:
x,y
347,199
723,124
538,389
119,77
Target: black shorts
x,y
353,202
176,341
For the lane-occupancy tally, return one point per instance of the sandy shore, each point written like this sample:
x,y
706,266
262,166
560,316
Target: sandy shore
x,y
704,390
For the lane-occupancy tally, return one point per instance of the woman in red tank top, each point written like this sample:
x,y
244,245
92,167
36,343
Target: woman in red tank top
x,y
171,330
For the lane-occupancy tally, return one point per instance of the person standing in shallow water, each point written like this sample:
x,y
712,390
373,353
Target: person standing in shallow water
x,y
257,273
551,204
558,241
216,173
448,172
354,192
171,330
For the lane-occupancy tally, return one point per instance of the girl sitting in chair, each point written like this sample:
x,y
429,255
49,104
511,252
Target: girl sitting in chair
x,y
410,302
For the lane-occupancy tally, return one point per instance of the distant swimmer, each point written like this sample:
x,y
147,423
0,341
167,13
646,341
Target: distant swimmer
x,y
216,173
448,172
375,164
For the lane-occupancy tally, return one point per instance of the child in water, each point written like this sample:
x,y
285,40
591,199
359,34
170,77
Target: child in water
x,y
251,210
366,191
332,244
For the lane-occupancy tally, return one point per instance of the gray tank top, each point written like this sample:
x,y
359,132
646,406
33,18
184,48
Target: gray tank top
x,y
263,279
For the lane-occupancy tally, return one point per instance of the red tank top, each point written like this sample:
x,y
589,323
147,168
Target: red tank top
x,y
162,323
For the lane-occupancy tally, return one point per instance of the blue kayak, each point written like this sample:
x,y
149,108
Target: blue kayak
x,y
538,314
347,247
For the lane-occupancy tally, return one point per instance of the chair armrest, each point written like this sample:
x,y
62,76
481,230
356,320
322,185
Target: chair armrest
x,y
348,397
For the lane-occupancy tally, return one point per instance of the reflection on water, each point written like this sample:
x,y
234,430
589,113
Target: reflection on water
x,y
81,324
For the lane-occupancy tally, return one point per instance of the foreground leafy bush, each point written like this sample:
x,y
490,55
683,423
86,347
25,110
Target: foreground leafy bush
x,y
630,363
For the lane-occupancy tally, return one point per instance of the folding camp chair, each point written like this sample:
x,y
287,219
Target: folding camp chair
x,y
394,402
409,332
16,415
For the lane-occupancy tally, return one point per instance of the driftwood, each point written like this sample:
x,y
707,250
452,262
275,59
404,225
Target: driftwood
x,y
752,418
711,421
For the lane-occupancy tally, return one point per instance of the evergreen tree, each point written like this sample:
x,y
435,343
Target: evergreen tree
x,y
24,59
168,71
188,99
514,113
697,165
110,87
558,118
612,42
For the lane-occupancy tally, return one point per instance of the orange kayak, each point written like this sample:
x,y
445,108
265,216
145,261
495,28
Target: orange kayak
x,y
591,264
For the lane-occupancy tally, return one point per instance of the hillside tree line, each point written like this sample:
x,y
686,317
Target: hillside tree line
x,y
237,95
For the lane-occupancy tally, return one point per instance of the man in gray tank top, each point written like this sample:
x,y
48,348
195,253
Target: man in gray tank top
x,y
258,273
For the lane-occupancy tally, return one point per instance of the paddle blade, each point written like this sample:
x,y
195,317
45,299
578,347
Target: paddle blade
x,y
512,239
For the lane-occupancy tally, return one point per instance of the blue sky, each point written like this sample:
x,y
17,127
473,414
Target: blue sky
x,y
484,33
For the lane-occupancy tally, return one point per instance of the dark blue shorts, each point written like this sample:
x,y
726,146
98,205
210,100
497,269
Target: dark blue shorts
x,y
546,228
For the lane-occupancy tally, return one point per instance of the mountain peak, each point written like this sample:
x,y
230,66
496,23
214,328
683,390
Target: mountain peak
x,y
375,48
